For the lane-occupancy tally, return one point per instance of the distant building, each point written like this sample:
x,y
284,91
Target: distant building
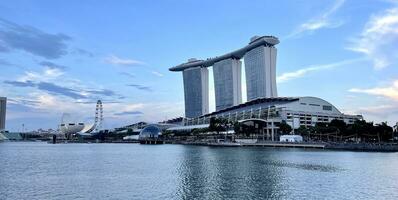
x,y
3,106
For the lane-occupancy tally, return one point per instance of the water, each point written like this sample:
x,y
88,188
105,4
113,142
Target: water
x,y
133,171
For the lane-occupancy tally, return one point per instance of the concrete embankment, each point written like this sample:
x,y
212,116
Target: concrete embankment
x,y
258,144
368,147
327,146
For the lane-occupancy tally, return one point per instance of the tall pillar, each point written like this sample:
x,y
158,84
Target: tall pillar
x,y
196,91
260,68
227,83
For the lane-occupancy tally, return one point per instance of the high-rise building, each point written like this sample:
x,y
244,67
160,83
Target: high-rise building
x,y
260,64
227,83
196,91
3,105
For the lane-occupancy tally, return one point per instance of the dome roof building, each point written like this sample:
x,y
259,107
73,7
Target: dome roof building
x,y
150,131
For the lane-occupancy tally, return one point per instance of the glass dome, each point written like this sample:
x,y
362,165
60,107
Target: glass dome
x,y
150,131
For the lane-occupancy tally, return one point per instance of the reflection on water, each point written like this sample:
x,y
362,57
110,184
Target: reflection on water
x,y
215,173
132,171
305,166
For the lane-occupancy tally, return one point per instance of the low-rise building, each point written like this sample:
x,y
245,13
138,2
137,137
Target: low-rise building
x,y
291,138
295,111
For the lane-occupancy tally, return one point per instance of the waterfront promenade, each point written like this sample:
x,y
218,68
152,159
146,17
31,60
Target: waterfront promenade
x,y
366,147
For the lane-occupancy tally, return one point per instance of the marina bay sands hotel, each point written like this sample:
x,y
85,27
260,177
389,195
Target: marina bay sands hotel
x,y
260,63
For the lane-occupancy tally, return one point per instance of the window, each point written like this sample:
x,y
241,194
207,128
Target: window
x,y
314,104
327,107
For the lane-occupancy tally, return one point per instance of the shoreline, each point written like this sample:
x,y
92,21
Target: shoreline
x,y
356,147
360,147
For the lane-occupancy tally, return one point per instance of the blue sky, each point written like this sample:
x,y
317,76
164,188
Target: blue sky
x,y
61,56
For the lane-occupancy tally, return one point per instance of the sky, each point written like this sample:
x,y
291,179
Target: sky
x,y
62,56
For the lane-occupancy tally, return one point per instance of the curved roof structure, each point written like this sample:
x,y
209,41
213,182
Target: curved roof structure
x,y
89,128
313,104
305,104
256,41
71,128
150,131
255,102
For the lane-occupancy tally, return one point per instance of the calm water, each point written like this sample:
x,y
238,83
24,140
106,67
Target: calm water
x,y
133,171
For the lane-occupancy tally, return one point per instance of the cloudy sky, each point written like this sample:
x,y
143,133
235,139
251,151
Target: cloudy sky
x,y
62,56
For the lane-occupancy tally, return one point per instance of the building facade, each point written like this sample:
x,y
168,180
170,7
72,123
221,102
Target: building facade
x,y
196,91
227,83
3,109
260,68
295,111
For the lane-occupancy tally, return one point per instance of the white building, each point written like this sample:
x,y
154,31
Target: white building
x,y
290,138
296,111
307,111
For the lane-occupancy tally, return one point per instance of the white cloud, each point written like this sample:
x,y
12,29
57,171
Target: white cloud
x,y
378,110
390,91
114,60
387,112
47,107
133,107
379,39
44,105
319,22
157,74
54,72
287,76
150,111
46,75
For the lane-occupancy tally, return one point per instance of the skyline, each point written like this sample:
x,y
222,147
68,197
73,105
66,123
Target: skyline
x,y
54,58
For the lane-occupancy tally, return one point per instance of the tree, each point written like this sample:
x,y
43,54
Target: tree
x,y
383,131
285,128
199,131
237,128
218,124
340,126
320,128
361,128
302,130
